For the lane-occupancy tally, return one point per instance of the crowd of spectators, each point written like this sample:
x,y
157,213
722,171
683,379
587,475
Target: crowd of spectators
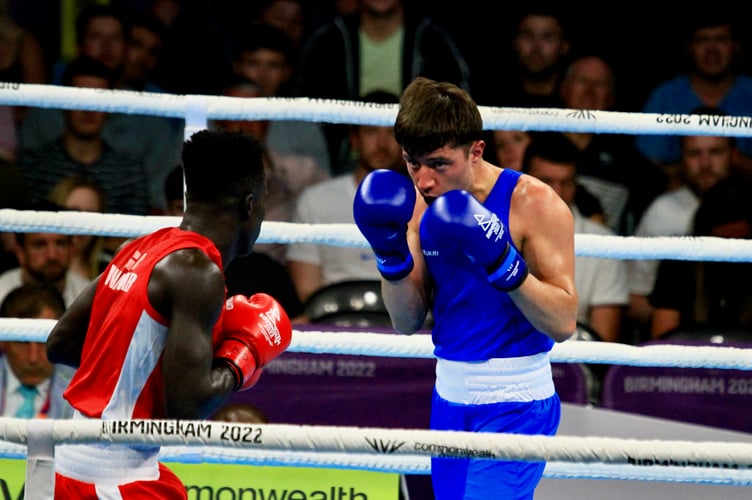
x,y
540,54
535,54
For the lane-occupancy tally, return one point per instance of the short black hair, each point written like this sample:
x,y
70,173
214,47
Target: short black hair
x,y
220,166
146,20
380,97
711,17
547,8
27,301
87,66
550,146
232,80
377,97
264,36
93,11
173,184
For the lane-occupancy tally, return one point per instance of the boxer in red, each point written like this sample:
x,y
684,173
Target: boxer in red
x,y
154,336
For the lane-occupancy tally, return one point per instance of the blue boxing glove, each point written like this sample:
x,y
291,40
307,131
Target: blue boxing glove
x,y
456,216
383,206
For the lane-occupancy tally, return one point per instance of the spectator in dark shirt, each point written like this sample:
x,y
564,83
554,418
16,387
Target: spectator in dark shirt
x,y
540,47
81,150
129,48
624,181
383,46
690,294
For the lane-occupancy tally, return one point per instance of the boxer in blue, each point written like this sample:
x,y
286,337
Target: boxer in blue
x,y
490,252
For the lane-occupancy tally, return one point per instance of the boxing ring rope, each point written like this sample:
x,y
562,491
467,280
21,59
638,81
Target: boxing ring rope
x,y
709,462
377,449
419,346
589,245
421,465
349,112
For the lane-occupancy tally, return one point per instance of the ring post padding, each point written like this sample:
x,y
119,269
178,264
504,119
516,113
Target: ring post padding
x,y
40,461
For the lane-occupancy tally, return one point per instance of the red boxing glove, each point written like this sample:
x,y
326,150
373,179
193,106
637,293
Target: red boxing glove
x,y
255,330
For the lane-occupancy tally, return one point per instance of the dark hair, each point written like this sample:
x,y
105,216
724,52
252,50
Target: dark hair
x,y
264,36
712,17
231,80
148,21
27,301
86,66
380,97
221,166
550,146
729,200
173,184
546,8
436,114
93,11
376,97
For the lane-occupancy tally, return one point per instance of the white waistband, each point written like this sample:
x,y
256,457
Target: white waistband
x,y
498,380
107,464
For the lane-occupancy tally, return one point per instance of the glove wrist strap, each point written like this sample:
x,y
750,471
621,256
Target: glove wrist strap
x,y
239,358
395,271
511,271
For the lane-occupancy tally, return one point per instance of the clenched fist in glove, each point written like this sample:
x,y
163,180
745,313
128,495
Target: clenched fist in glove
x,y
255,330
458,219
383,206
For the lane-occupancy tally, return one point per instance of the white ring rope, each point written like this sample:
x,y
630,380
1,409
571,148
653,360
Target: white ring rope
x,y
420,346
592,245
599,458
337,111
393,442
422,465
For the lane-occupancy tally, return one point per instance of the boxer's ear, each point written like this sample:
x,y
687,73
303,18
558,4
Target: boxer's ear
x,y
246,207
476,150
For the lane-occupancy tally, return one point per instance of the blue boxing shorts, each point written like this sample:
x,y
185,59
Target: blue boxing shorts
x,y
481,479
